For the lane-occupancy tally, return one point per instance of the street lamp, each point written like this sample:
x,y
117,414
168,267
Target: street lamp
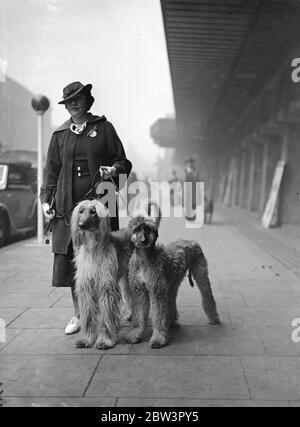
x,y
40,104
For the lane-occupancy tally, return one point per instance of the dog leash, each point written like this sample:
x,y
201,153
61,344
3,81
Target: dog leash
x,y
86,196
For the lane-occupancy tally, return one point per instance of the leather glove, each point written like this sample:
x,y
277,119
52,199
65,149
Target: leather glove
x,y
48,212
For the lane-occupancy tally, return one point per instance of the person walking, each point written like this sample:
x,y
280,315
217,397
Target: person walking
x,y
190,195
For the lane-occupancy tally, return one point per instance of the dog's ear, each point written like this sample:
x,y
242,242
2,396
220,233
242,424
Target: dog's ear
x,y
154,236
76,233
154,212
104,230
104,223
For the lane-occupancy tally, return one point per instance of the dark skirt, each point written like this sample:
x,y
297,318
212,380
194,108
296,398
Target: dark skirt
x,y
64,269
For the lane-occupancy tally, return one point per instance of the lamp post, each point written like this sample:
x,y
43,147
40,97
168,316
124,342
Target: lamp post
x,y
40,104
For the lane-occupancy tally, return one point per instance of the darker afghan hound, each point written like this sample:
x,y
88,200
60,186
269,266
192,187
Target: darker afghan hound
x,y
155,274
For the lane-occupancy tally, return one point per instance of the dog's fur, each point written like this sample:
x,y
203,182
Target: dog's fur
x,y
101,260
155,274
97,275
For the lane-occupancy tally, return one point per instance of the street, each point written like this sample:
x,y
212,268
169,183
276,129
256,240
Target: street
x,y
250,360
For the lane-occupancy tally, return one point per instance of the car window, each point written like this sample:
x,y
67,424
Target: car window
x,y
17,176
3,176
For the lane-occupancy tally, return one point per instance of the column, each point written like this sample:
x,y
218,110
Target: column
x,y
265,162
242,179
251,178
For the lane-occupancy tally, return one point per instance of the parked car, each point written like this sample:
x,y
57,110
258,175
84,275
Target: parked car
x,y
18,199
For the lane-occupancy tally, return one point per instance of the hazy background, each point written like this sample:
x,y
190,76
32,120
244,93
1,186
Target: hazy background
x,y
117,45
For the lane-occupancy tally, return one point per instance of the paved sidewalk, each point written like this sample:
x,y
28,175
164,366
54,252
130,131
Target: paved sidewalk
x,y
250,360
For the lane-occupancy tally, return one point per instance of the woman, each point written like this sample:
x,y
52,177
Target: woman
x,y
77,151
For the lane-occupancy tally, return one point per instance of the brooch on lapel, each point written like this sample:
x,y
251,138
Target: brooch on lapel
x,y
92,132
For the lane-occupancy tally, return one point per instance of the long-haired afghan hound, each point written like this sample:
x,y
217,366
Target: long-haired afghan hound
x,y
97,275
155,274
101,261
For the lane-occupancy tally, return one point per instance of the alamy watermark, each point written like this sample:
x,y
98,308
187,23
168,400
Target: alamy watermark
x,y
296,331
2,331
296,72
176,199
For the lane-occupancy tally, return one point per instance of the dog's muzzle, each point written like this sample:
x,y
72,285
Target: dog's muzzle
x,y
138,240
89,224
133,239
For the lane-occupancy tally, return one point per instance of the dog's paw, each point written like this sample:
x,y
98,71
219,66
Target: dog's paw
x,y
104,343
215,322
158,340
157,344
133,337
83,344
103,346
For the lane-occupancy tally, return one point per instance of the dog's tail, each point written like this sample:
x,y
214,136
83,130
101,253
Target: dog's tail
x,y
157,213
191,279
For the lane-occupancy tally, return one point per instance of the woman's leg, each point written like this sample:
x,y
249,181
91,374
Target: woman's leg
x,y
75,302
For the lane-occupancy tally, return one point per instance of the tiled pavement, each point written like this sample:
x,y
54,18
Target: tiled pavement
x,y
250,360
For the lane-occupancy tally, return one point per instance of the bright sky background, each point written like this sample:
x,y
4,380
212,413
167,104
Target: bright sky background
x,y
117,45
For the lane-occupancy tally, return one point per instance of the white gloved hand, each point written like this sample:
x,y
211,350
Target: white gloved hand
x,y
49,213
106,171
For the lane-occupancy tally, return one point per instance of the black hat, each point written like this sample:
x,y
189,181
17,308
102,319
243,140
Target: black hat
x,y
74,89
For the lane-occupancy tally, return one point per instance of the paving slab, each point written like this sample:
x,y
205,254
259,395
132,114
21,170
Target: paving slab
x,y
173,376
54,341
200,403
249,361
32,299
11,314
43,318
209,340
273,378
10,335
195,316
26,285
43,376
266,316
64,301
188,296
277,340
37,402
263,297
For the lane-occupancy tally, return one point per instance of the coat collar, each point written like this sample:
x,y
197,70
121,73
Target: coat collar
x,y
91,119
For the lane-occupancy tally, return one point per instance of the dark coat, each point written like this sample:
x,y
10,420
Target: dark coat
x,y
105,149
193,176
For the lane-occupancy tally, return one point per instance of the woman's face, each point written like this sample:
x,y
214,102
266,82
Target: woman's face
x,y
77,106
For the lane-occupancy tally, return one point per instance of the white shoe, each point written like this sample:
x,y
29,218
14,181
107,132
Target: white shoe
x,y
73,326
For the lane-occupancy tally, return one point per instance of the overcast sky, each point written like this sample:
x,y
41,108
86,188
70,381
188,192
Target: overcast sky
x,y
117,45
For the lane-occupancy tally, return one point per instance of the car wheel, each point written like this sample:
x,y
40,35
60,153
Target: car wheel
x,y
4,229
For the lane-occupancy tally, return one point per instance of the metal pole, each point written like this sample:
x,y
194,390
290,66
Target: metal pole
x,y
40,219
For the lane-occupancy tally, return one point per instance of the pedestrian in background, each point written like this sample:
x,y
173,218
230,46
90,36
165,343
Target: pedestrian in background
x,y
77,150
208,210
190,194
175,188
